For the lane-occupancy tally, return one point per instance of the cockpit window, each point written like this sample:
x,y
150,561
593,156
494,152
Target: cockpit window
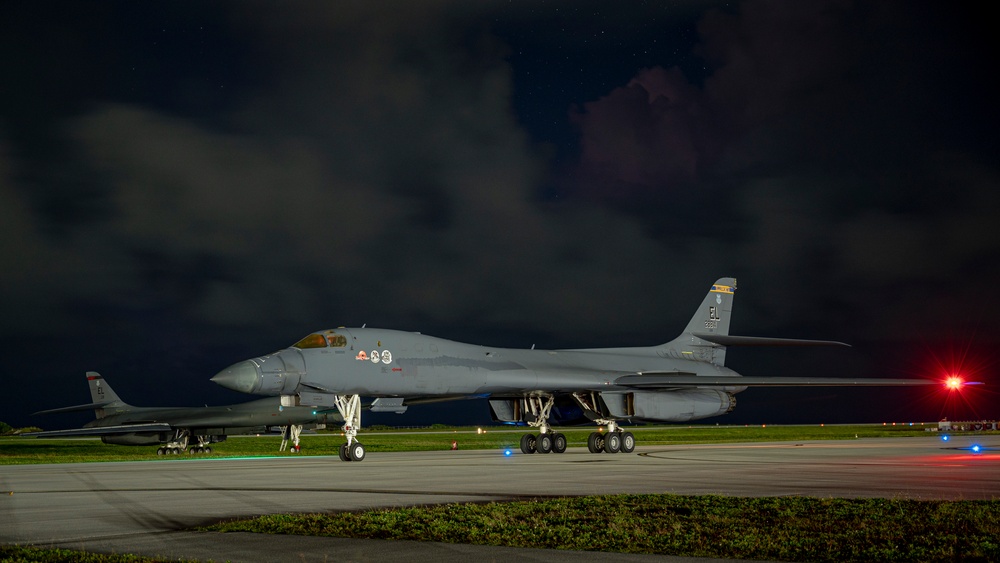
x,y
311,341
336,340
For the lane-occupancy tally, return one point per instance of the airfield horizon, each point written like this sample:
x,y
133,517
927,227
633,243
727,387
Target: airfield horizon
x,y
23,450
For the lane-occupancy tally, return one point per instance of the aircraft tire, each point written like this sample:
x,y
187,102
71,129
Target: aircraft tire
x,y
628,443
613,442
543,444
595,443
208,449
558,443
357,451
344,456
528,443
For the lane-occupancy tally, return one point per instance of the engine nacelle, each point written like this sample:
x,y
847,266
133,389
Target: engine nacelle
x,y
682,405
137,439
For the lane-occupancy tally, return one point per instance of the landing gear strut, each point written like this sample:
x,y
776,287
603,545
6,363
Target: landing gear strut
x,y
290,432
180,444
349,407
613,440
538,409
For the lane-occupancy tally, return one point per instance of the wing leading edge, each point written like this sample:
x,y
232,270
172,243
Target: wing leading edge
x,y
654,380
102,430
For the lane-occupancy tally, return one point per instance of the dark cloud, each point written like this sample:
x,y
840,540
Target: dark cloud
x,y
241,177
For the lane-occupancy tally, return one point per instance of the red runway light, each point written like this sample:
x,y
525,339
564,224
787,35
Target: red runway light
x,y
954,383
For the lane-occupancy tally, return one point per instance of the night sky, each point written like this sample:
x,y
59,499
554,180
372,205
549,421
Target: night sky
x,y
185,185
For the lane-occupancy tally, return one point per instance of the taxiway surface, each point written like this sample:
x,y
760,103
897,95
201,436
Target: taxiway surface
x,y
144,507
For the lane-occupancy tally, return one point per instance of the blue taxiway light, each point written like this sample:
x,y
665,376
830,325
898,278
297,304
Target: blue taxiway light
x,y
945,437
976,448
506,452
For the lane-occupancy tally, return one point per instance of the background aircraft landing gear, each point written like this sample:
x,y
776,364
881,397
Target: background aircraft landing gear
x,y
180,444
290,433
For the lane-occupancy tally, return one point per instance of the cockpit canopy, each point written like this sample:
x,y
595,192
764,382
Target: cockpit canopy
x,y
328,338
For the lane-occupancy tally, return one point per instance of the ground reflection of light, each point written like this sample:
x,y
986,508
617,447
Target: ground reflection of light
x,y
957,459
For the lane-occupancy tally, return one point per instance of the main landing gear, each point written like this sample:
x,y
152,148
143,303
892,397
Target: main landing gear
x,y
545,441
180,444
614,441
349,407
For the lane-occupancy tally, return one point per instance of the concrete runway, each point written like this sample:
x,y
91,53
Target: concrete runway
x,y
143,507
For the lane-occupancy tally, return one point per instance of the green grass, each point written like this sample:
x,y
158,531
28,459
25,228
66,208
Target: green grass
x,y
21,450
14,553
776,528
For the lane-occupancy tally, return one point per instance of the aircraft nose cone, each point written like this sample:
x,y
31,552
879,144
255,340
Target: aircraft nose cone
x,y
242,377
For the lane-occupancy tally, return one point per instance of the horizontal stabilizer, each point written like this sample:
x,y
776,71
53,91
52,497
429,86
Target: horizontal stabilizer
x,y
654,380
77,408
727,340
102,430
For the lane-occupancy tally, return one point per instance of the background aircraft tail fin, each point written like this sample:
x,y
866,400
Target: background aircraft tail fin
x,y
103,399
103,396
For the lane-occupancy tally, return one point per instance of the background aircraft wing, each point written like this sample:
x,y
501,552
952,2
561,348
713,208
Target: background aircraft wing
x,y
77,408
668,380
102,430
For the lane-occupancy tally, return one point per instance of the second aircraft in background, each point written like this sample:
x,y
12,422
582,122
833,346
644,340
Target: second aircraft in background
x,y
174,428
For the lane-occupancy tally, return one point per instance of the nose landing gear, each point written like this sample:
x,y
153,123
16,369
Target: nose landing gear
x,y
349,407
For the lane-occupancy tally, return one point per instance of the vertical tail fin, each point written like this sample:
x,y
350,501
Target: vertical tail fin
x,y
711,318
707,334
102,394
715,312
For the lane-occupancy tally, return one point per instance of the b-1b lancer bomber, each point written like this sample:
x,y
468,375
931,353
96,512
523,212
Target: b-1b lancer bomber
x,y
682,380
173,428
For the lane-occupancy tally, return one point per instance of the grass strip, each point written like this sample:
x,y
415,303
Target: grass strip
x,y
20,554
775,528
18,450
